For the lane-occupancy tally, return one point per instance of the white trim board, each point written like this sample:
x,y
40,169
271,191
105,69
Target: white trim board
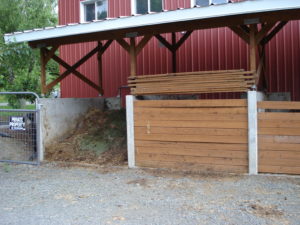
x,y
190,14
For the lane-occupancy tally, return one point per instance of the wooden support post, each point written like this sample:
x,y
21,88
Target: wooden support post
x,y
174,61
43,70
133,57
100,46
253,49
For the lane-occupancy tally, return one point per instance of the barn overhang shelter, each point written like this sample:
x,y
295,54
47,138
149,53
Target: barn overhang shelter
x,y
255,21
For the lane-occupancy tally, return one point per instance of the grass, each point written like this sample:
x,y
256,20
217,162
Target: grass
x,y
2,99
30,107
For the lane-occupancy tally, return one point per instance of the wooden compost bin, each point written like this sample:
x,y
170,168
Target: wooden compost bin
x,y
202,135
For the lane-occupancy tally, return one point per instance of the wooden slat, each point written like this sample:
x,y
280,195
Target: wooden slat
x,y
189,145
278,105
192,167
189,73
186,110
279,169
266,146
193,152
279,123
279,139
192,131
190,91
192,138
230,81
279,131
192,103
190,116
270,155
279,162
278,116
204,124
192,159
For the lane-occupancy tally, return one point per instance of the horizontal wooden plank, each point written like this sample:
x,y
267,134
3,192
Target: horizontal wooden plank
x,y
190,78
279,169
198,90
295,155
191,131
179,92
278,105
191,159
203,124
191,103
278,116
279,123
189,145
279,162
144,115
189,73
279,139
279,131
192,138
188,110
194,167
264,145
193,152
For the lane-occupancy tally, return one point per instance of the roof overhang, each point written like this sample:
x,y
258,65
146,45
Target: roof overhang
x,y
247,12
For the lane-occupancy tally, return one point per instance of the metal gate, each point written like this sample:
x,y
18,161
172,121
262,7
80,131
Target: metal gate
x,y
20,130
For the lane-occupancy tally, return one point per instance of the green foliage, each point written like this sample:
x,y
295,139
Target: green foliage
x,y
19,64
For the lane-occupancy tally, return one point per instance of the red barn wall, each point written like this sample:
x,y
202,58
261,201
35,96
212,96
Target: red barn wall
x,y
210,49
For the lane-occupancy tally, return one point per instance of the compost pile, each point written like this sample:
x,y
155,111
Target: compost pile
x,y
100,138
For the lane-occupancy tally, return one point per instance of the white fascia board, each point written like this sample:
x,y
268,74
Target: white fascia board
x,y
190,14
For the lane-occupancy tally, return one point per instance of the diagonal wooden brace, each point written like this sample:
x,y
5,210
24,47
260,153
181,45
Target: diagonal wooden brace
x,y
72,69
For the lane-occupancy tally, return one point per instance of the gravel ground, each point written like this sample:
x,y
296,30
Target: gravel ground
x,y
55,194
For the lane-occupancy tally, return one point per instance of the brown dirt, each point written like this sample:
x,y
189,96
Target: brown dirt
x,y
99,138
266,211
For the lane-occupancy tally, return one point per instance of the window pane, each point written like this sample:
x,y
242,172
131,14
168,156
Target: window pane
x,y
89,11
156,5
202,2
102,8
141,6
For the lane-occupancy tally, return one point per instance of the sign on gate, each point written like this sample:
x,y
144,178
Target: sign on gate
x,y
20,140
17,123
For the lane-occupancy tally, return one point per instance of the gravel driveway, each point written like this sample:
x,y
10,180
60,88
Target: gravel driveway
x,y
53,194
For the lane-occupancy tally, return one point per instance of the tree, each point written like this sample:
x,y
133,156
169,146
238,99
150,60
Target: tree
x,y
19,64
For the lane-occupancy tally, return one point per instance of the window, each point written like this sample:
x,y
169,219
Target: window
x,y
93,10
145,6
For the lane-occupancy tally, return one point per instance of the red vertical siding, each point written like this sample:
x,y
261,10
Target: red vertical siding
x,y
210,49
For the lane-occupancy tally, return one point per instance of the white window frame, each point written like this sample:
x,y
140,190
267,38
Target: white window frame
x,y
193,2
82,3
133,6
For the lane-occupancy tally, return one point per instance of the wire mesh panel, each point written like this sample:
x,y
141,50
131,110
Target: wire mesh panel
x,y
19,133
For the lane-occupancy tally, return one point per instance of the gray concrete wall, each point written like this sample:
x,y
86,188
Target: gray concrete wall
x,y
60,115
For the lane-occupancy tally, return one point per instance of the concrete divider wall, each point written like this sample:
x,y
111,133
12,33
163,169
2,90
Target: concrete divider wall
x,y
60,115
